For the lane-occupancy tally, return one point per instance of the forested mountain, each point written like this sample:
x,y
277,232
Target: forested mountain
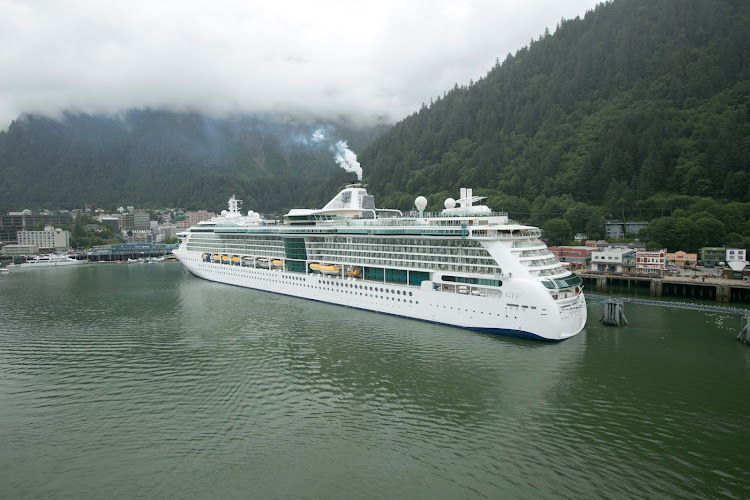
x,y
639,108
171,159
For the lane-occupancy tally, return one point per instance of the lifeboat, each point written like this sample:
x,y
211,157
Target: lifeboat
x,y
263,263
225,258
235,258
204,256
353,272
329,269
315,266
277,263
247,261
215,257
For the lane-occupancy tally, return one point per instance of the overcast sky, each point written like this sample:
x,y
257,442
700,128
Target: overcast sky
x,y
316,58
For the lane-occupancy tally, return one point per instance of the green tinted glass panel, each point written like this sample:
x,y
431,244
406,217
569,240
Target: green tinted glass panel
x,y
295,266
417,277
294,248
396,276
472,281
374,273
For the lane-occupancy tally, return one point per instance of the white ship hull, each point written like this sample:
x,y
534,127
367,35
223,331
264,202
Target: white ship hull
x,y
521,310
51,263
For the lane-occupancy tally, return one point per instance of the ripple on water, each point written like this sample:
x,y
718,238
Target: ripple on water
x,y
142,380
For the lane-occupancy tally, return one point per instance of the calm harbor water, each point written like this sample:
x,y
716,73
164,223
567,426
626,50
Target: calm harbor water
x,y
140,380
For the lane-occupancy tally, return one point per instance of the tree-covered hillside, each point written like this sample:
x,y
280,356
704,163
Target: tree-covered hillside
x,y
641,107
161,158
640,111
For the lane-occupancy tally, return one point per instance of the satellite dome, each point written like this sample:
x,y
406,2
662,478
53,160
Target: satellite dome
x,y
450,203
224,213
420,203
250,213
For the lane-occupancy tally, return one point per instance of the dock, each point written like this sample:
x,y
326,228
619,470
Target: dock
x,y
720,290
125,251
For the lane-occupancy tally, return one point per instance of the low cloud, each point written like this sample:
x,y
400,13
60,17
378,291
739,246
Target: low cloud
x,y
369,62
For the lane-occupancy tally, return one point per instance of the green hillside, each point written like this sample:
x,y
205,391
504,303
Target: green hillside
x,y
636,110
159,158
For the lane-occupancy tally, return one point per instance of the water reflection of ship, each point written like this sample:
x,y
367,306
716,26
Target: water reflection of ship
x,y
389,362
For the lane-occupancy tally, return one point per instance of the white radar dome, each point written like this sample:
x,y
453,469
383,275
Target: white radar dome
x,y
450,203
420,203
250,213
224,213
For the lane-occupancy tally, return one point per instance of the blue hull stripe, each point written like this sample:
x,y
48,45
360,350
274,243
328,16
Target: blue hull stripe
x,y
494,331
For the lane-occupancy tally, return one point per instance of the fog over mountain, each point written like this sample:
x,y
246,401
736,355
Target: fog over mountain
x,y
373,62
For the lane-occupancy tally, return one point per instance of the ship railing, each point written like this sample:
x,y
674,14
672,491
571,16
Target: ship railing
x,y
435,215
518,244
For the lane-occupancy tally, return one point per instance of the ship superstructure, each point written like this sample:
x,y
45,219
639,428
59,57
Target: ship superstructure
x,y
465,266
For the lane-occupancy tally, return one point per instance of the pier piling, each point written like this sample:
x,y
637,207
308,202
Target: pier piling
x,y
613,314
744,335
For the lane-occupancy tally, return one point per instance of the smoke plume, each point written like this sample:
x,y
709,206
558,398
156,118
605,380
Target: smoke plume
x,y
346,158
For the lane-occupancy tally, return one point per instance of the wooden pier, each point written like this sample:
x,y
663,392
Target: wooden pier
x,y
716,289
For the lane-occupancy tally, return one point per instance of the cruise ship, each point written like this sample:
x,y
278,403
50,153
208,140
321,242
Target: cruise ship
x,y
465,266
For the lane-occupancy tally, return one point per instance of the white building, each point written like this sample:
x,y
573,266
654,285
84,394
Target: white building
x,y
736,254
140,236
165,231
611,259
51,239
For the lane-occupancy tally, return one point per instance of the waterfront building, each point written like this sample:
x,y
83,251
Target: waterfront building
x,y
141,220
51,239
19,249
165,231
615,229
681,259
736,254
126,222
144,236
713,255
13,222
577,256
612,259
651,261
111,222
199,216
